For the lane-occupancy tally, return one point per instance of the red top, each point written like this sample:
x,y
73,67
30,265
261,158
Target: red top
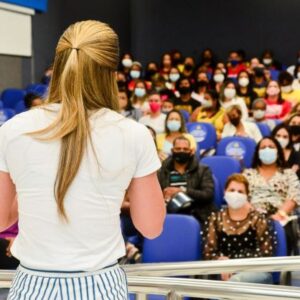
x,y
276,110
234,71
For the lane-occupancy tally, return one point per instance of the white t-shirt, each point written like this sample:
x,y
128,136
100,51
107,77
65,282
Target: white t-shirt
x,y
92,239
158,123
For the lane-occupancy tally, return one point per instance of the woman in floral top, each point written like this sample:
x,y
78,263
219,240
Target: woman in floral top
x,y
274,190
239,232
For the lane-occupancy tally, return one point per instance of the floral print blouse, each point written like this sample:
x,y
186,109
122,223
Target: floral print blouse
x,y
268,195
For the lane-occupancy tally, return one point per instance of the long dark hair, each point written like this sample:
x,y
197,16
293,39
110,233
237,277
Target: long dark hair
x,y
283,126
280,162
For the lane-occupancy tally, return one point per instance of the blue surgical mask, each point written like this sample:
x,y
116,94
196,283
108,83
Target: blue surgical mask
x,y
267,155
140,92
173,125
174,77
135,74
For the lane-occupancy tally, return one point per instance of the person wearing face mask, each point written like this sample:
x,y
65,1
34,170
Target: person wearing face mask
x,y
210,112
245,89
167,106
152,72
269,61
228,98
285,81
259,80
207,60
174,127
294,128
126,64
139,98
155,119
185,101
235,65
217,79
277,107
189,67
292,157
274,189
173,79
238,231
135,74
237,127
182,172
165,65
259,107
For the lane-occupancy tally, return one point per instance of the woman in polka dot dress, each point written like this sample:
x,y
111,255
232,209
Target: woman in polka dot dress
x,y
238,231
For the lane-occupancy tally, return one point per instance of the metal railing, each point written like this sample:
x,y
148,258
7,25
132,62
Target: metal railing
x,y
267,264
177,288
141,279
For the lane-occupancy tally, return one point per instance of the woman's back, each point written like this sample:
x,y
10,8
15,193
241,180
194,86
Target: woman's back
x,y
91,239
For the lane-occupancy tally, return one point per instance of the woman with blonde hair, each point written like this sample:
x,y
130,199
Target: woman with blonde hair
x,y
64,170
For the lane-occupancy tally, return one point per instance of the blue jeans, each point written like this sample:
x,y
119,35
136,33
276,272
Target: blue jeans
x,y
252,277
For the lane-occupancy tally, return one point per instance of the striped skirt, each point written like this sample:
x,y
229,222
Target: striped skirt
x,y
107,284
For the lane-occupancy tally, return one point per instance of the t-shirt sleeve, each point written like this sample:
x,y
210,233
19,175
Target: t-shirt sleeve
x,y
146,157
3,165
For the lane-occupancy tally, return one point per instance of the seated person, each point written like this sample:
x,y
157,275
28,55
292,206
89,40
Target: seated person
x,y
238,231
185,101
174,127
285,80
259,108
210,112
126,108
182,173
237,127
155,119
31,100
274,189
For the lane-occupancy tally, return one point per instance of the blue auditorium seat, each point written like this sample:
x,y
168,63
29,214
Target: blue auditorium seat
x,y
39,89
10,97
264,129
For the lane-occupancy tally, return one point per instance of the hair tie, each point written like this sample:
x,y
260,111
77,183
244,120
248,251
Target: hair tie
x,y
75,48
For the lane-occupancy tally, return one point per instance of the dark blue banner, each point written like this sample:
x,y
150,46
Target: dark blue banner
x,y
40,5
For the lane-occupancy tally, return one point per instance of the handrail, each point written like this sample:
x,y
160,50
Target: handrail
x,y
267,264
176,288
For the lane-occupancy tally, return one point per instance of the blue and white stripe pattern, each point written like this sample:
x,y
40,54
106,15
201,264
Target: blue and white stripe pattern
x,y
107,284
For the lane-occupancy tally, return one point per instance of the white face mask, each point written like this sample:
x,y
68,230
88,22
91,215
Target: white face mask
x,y
286,89
267,61
174,77
283,142
135,74
127,62
259,114
229,93
235,200
243,82
219,78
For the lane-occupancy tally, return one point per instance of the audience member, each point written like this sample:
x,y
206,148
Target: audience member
x,y
238,127
174,127
155,119
31,100
285,81
126,108
228,98
277,107
239,231
274,189
182,173
139,97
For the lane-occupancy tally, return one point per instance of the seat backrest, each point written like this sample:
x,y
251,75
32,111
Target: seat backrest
x,y
20,107
280,247
37,88
218,193
222,167
6,114
204,134
264,129
240,148
185,115
10,97
179,241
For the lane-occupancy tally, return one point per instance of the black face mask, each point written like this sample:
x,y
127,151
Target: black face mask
x,y
188,67
184,90
121,84
181,157
202,83
151,72
46,79
259,72
235,121
294,129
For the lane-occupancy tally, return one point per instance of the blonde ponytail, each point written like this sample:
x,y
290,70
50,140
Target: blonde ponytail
x,y
83,81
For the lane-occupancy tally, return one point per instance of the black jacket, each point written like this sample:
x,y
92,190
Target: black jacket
x,y
200,186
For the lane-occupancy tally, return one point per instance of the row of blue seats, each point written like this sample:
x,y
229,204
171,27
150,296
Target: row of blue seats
x,y
180,241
